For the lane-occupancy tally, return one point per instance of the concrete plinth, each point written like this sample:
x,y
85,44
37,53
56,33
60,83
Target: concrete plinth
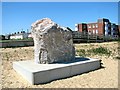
x,y
43,73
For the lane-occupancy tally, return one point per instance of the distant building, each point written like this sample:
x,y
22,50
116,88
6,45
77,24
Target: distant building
x,y
76,27
7,37
101,27
29,35
2,37
19,35
114,30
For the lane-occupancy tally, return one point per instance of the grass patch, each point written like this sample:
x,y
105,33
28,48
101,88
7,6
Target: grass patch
x,y
95,51
100,51
81,52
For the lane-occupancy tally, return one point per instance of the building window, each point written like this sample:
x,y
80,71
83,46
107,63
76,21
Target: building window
x,y
89,26
84,26
93,26
96,25
106,28
108,25
106,22
96,31
93,31
89,32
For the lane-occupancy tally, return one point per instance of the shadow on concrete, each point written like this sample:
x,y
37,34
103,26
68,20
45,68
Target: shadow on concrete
x,y
77,59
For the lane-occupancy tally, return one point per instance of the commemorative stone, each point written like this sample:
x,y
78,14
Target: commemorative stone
x,y
52,43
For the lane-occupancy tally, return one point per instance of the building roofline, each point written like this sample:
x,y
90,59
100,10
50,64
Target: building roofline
x,y
93,23
17,34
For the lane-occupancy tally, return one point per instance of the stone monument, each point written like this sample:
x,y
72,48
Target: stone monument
x,y
52,43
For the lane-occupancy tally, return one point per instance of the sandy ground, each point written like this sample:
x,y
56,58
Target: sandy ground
x,y
106,77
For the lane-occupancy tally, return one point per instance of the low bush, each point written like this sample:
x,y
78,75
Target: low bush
x,y
100,51
95,51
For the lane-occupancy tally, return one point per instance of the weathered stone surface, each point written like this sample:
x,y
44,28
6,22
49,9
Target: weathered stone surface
x,y
52,43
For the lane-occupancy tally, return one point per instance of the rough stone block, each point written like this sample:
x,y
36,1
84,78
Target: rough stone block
x,y
52,43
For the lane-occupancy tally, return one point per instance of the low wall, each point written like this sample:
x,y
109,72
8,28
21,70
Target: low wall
x,y
16,44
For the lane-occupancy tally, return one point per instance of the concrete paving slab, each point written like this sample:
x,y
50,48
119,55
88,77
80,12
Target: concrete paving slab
x,y
44,73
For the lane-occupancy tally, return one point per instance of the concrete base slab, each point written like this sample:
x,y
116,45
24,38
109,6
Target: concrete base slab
x,y
43,73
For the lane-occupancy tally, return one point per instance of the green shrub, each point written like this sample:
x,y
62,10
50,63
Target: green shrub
x,y
100,51
96,51
117,57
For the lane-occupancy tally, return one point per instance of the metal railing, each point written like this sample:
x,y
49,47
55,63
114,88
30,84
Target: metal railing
x,y
79,37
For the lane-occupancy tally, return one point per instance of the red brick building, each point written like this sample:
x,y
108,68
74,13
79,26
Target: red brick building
x,y
101,27
119,30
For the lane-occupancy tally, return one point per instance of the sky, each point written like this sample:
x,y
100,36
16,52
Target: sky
x,y
17,16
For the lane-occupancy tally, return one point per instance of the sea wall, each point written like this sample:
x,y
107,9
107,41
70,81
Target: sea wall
x,y
16,43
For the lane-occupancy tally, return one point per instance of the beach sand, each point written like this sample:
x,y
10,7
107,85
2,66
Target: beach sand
x,y
106,77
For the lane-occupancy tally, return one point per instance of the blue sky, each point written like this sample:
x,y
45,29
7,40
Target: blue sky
x,y
20,15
